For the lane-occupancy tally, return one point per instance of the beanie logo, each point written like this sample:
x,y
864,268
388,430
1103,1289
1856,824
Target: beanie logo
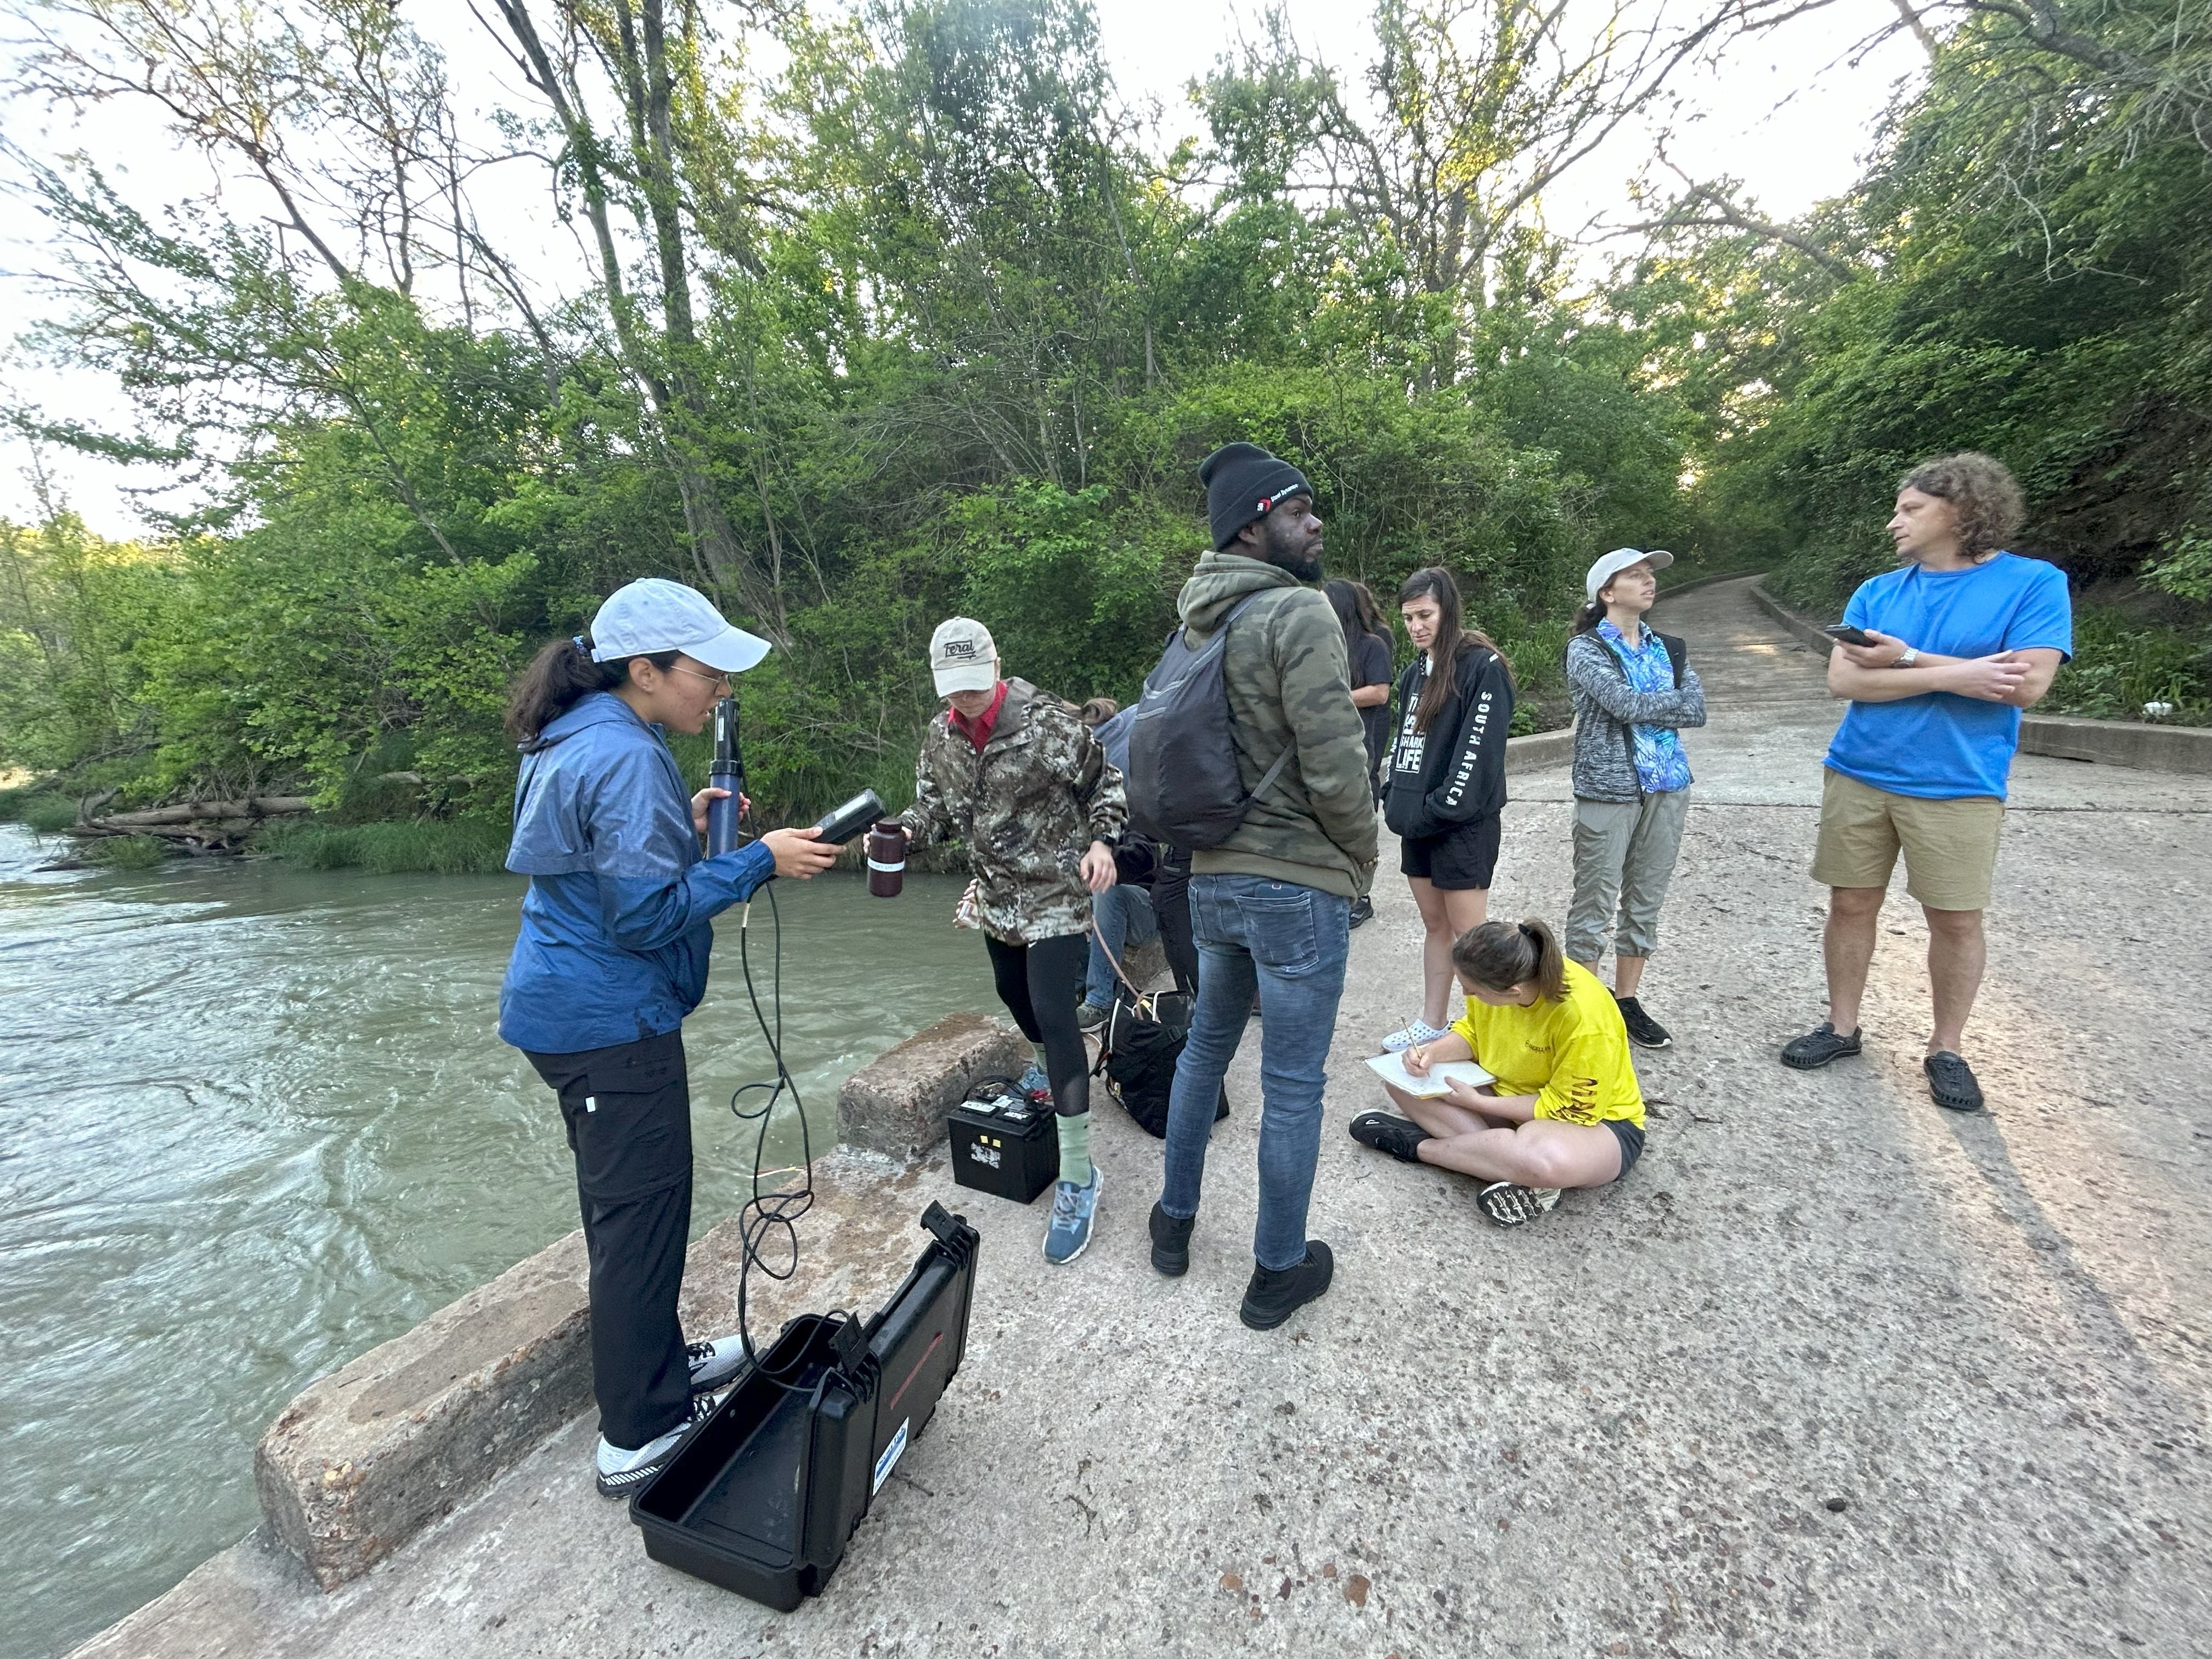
x,y
1265,501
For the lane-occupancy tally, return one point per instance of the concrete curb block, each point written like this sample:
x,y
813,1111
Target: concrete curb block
x,y
1539,749
362,1458
2184,749
2120,743
365,1457
896,1105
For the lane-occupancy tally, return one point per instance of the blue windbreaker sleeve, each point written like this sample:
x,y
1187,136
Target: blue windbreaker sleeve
x,y
653,888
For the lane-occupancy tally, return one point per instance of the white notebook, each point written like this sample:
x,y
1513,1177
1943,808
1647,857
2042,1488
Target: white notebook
x,y
1392,1070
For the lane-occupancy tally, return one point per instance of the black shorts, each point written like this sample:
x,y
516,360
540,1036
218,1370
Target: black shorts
x,y
1460,860
1632,1144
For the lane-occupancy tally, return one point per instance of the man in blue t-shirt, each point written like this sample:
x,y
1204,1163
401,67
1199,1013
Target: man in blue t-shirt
x,y
1961,639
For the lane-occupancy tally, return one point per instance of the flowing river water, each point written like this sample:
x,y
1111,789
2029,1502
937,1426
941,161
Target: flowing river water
x,y
257,1121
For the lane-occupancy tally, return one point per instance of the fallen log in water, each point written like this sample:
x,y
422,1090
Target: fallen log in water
x,y
194,820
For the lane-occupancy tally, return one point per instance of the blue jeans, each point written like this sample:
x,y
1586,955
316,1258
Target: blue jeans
x,y
1125,916
1290,943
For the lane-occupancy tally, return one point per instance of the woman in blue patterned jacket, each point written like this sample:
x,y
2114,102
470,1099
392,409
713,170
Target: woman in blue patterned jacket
x,y
1634,689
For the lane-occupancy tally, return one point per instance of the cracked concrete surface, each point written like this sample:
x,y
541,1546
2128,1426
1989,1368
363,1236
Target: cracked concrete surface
x,y
1833,1373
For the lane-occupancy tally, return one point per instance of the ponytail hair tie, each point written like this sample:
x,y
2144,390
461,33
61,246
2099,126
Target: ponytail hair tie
x,y
577,639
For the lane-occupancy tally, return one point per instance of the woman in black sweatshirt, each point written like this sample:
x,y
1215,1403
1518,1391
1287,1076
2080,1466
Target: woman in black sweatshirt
x,y
1447,782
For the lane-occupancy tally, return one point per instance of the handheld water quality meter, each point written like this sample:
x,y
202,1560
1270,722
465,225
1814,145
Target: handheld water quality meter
x,y
725,771
728,771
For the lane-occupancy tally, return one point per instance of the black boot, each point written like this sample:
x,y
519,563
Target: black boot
x,y
1271,1297
1171,1243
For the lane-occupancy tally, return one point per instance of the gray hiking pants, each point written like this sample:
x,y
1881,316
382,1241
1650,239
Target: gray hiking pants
x,y
1624,857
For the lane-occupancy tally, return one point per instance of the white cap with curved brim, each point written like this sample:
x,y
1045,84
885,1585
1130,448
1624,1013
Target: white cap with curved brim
x,y
1619,560
962,657
654,614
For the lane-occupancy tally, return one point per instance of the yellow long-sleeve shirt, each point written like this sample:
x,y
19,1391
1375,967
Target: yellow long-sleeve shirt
x,y
1572,1054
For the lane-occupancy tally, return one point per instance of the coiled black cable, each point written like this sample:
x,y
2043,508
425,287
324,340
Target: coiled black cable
x,y
762,1214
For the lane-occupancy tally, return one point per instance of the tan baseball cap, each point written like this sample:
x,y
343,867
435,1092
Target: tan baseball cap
x,y
962,656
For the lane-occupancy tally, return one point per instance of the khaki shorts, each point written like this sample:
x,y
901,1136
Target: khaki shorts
x,y
1950,847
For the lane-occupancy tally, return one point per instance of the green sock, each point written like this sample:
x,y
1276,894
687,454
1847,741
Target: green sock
x,y
1037,1048
1075,1149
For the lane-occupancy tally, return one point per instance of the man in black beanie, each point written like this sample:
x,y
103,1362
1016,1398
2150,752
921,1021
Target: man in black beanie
x,y
1270,906
1244,485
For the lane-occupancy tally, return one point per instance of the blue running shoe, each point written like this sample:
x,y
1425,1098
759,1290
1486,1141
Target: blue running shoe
x,y
1072,1207
1033,1079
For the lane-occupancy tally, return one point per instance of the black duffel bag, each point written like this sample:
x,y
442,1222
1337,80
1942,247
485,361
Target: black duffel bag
x,y
1139,1046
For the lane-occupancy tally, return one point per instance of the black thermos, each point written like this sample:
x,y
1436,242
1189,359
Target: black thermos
x,y
887,858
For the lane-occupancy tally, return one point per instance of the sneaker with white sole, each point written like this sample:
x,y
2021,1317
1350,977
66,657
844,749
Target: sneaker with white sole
x,y
621,1473
715,1363
1644,1031
1089,1016
1512,1205
1420,1031
1073,1207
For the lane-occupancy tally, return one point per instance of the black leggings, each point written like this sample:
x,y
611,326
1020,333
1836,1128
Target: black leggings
x,y
1171,909
1041,983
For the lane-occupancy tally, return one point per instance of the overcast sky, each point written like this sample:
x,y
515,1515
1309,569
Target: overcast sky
x,y
1790,117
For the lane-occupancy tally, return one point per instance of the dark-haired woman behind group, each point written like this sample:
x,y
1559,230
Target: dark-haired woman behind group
x,y
1367,650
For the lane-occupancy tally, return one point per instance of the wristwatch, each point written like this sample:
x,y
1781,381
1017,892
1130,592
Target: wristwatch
x,y
1906,658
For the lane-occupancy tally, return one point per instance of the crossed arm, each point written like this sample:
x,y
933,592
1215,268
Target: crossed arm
x,y
1866,673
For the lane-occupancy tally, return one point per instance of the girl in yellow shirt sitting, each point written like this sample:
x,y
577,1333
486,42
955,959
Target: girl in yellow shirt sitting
x,y
1564,1110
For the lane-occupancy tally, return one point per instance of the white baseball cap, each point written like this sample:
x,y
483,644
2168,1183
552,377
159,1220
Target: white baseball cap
x,y
1617,561
654,614
963,657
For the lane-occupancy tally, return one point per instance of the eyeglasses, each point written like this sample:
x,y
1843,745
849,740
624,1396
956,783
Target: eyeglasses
x,y
722,680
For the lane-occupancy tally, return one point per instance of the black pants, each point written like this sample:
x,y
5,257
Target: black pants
x,y
628,1109
1041,983
1171,909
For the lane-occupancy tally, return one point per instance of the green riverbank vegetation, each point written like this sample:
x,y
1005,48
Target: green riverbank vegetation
x,y
898,311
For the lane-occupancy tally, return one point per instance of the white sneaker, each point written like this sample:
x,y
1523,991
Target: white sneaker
x,y
1510,1205
715,1363
1406,1036
621,1473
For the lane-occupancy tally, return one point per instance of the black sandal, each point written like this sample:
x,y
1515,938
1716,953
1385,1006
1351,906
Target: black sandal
x,y
1951,1080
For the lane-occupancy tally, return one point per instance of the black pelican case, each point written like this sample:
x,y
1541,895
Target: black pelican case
x,y
761,1496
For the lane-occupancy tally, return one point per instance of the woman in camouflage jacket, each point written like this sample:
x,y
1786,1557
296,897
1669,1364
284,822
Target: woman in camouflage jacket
x,y
1011,772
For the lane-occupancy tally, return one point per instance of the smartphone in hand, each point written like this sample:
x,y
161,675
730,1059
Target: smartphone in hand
x,y
1848,634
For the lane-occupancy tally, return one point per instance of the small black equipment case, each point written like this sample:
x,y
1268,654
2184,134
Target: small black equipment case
x,y
763,1495
1009,1146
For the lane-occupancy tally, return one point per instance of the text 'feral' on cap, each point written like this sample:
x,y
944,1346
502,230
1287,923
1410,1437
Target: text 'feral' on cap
x,y
962,656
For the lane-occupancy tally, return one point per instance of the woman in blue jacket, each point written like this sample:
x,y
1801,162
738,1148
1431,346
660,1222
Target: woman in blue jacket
x,y
612,955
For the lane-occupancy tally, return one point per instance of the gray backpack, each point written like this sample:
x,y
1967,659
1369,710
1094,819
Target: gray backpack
x,y
1184,787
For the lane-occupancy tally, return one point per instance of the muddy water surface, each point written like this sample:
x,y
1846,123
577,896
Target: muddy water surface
x,y
255,1120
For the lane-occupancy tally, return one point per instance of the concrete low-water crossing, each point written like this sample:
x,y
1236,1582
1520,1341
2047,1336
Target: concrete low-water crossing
x,y
259,1121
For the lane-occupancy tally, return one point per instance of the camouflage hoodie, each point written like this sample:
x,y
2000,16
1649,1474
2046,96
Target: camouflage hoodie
x,y
1289,683
1028,806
